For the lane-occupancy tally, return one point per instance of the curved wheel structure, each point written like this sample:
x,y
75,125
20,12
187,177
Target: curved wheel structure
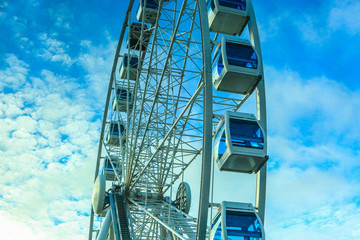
x,y
159,117
183,197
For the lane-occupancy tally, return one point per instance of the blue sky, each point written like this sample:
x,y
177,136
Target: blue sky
x,y
55,61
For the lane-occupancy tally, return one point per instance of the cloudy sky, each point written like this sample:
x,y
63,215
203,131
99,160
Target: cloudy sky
x,y
55,60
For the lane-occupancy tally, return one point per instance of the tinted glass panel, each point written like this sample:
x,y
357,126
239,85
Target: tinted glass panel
x,y
210,7
135,35
222,146
216,227
151,4
218,133
246,134
218,65
242,225
237,4
215,221
133,61
108,165
122,95
220,143
114,128
134,43
217,235
241,55
136,27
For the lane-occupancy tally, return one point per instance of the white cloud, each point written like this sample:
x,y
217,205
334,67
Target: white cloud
x,y
272,26
338,15
11,226
312,187
61,15
312,29
345,15
295,192
316,27
54,50
48,144
48,148
341,222
327,107
14,75
314,154
97,61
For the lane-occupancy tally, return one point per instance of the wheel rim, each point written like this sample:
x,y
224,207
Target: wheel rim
x,y
162,131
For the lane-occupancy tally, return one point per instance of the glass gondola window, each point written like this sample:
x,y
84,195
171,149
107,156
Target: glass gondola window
x,y
240,66
218,65
122,95
241,55
246,134
129,65
220,143
216,226
217,235
135,32
210,6
114,128
236,4
151,4
108,166
242,226
133,61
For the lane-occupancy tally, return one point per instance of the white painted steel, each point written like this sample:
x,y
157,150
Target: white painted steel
x,y
236,79
98,194
222,18
169,121
103,233
240,158
236,207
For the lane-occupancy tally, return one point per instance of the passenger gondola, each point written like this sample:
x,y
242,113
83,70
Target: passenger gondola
x,y
129,66
239,143
237,221
121,99
235,66
133,41
116,132
150,9
227,16
108,168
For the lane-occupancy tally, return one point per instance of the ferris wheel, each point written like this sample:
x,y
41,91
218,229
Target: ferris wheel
x,y
181,72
